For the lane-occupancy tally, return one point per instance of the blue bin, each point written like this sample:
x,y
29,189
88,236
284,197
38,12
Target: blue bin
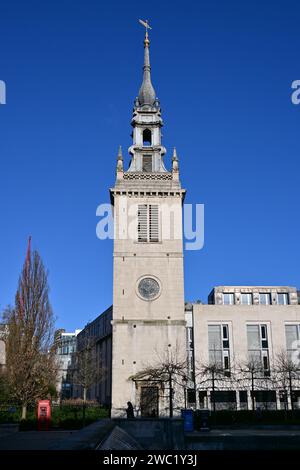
x,y
188,420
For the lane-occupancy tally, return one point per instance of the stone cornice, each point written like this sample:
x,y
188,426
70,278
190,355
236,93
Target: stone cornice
x,y
150,322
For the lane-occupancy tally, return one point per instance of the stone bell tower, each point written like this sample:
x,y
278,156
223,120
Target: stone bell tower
x,y
148,291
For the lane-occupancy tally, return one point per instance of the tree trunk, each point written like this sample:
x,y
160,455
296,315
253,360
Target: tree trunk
x,y
213,392
291,390
24,411
84,406
252,392
171,396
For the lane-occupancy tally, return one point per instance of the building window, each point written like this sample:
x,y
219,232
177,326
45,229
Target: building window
x,y
148,288
148,223
246,299
190,361
292,336
228,299
264,299
223,400
147,138
218,346
282,299
63,350
265,399
147,163
67,346
258,347
189,337
190,353
191,396
243,399
202,399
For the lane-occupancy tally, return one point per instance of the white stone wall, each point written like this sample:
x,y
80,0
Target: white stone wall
x,y
216,296
136,345
237,317
143,329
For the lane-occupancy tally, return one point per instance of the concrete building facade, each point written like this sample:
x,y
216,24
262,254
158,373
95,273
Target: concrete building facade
x,y
245,335
98,334
65,344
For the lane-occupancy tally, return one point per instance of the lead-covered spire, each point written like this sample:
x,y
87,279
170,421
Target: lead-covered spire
x,y
147,94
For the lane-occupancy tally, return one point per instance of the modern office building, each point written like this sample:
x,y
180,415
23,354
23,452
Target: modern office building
x,y
245,337
97,335
65,344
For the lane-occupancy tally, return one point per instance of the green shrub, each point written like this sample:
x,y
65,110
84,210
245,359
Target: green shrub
x,y
64,416
10,414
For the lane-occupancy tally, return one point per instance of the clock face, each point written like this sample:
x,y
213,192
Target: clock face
x,y
148,288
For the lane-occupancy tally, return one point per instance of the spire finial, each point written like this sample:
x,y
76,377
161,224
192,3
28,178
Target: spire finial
x,y
120,155
147,94
175,157
175,167
120,167
147,26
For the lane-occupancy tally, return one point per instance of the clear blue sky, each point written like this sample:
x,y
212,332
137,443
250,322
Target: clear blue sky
x,y
223,72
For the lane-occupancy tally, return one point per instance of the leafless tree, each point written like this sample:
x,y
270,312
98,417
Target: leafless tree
x,y
169,370
287,372
211,374
253,376
86,368
30,358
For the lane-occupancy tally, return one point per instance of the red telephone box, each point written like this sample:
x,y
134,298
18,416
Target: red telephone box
x,y
44,415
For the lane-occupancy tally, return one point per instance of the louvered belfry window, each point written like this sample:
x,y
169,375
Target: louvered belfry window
x,y
147,163
143,223
148,223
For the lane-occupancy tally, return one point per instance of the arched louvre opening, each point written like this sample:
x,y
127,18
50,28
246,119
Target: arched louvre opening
x,y
147,138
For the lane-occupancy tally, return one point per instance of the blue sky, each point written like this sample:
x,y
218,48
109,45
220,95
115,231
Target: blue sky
x,y
223,73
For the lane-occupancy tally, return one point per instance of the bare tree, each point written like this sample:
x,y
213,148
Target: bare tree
x,y
87,369
30,358
287,372
169,370
211,375
253,376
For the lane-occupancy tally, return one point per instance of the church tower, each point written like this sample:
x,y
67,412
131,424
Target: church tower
x,y
148,292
